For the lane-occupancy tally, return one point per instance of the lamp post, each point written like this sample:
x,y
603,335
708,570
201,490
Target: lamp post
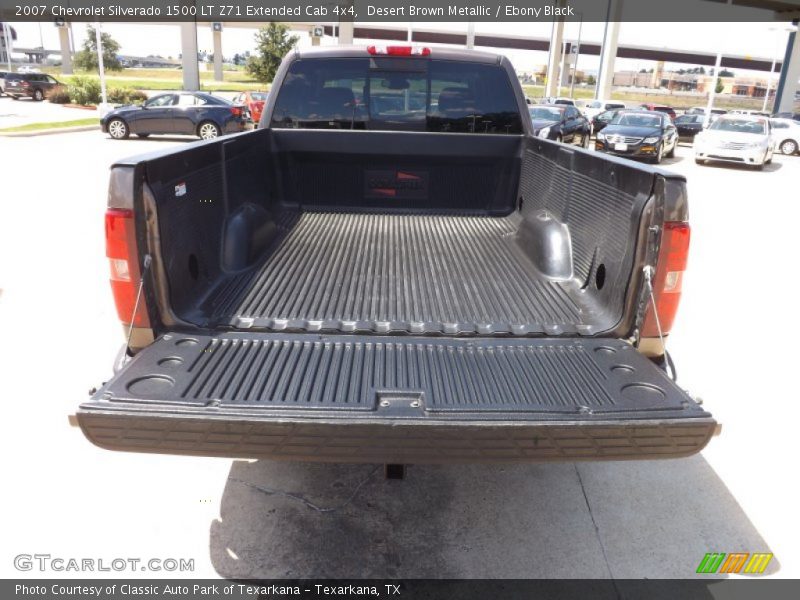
x,y
101,69
577,50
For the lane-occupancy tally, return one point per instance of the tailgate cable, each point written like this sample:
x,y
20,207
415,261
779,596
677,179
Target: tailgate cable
x,y
648,277
147,260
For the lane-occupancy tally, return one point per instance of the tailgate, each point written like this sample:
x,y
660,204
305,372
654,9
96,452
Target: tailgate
x,y
394,400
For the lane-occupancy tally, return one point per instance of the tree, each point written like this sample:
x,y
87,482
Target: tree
x,y
272,44
86,59
590,80
720,86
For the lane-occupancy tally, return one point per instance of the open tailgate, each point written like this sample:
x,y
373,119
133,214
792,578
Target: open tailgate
x,y
394,400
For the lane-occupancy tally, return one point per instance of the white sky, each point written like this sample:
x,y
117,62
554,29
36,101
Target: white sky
x,y
759,40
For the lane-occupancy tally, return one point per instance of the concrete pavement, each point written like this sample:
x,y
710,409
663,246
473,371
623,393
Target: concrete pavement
x,y
732,345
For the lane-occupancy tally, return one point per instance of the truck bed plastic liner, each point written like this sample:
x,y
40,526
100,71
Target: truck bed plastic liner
x,y
394,399
407,273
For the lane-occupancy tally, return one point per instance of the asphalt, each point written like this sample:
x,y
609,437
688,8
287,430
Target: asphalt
x,y
733,345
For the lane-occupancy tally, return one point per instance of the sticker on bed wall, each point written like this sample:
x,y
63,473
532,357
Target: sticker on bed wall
x,y
180,189
397,184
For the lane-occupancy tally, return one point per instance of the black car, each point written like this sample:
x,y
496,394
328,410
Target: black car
x,y
184,113
604,118
560,122
32,85
639,134
689,126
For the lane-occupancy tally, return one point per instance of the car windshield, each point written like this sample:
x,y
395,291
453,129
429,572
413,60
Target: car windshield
x,y
637,120
259,96
739,125
544,113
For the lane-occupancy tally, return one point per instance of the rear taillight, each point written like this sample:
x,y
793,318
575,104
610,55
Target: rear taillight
x,y
237,111
399,50
123,259
668,279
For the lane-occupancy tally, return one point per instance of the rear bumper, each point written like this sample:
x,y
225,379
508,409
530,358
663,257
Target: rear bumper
x,y
396,441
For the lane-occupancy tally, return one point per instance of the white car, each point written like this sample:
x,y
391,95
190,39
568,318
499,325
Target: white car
x,y
595,107
741,139
786,133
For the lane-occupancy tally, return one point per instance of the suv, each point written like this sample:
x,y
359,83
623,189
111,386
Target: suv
x,y
33,85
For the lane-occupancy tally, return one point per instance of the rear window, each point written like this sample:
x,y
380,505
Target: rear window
x,y
383,94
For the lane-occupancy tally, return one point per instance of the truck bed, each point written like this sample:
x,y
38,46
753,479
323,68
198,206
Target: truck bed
x,y
407,273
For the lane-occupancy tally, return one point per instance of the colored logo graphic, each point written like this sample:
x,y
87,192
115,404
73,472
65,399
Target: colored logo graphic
x,y
735,562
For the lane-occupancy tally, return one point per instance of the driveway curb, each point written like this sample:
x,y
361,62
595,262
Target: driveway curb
x,y
49,131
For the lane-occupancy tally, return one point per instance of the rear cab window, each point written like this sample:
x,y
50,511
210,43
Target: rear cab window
x,y
391,94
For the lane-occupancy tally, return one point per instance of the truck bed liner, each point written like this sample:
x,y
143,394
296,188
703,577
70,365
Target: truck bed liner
x,y
408,273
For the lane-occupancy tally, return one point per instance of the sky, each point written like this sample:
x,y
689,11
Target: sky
x,y
759,40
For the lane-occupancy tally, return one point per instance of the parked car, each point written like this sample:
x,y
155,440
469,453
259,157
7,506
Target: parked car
x,y
689,125
595,107
639,134
736,138
186,113
3,82
557,100
787,115
560,123
448,288
254,101
604,118
701,110
32,85
660,108
786,135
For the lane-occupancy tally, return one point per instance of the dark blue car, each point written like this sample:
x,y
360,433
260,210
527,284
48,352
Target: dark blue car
x,y
185,113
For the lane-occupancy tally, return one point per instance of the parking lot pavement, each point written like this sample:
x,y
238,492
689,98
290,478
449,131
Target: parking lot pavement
x,y
732,345
24,111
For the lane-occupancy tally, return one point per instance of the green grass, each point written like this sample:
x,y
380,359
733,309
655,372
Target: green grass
x,y
676,101
168,79
56,125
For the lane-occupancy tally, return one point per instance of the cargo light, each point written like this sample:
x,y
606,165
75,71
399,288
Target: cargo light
x,y
123,260
668,279
399,50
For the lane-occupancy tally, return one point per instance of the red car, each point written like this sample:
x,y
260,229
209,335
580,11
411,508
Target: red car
x,y
254,101
660,108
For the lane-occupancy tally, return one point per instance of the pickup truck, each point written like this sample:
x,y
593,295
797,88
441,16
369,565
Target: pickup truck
x,y
393,269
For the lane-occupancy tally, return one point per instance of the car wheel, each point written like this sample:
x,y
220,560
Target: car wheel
x,y
118,129
38,95
143,135
208,130
585,143
15,97
559,139
671,153
659,155
788,147
698,161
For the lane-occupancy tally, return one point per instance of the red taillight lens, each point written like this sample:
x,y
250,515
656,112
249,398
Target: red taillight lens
x,y
399,50
668,280
123,260
236,111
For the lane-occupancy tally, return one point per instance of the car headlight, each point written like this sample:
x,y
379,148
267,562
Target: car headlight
x,y
543,133
651,140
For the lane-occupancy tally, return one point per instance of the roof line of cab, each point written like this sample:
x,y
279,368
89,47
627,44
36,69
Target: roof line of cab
x,y
459,54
